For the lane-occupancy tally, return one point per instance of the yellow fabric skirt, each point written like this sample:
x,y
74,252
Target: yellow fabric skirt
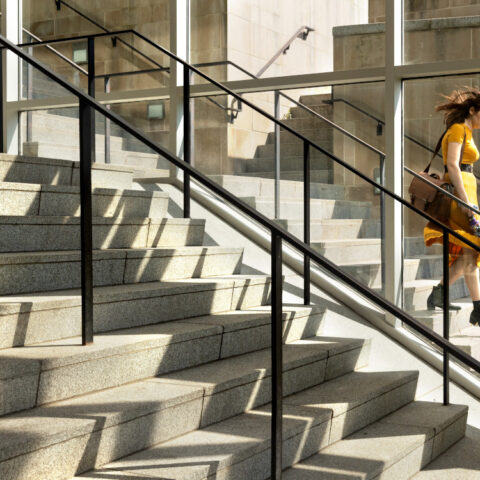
x,y
458,222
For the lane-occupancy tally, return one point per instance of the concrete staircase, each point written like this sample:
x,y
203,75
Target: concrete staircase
x,y
177,383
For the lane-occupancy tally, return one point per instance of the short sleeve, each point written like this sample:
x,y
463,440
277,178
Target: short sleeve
x,y
455,133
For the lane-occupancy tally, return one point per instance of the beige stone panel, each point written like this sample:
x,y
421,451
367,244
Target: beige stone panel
x,y
362,51
209,31
205,7
376,9
438,45
210,150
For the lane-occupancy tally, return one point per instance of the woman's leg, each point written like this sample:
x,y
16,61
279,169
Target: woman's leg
x,y
471,273
456,270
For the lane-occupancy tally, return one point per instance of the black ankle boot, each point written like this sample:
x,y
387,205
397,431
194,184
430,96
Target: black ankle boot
x,y
475,315
435,299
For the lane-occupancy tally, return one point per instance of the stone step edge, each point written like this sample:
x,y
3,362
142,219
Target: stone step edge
x,y
109,294
195,327
322,420
442,433
44,257
75,220
72,189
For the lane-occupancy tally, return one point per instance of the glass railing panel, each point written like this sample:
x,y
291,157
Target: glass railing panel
x,y
67,60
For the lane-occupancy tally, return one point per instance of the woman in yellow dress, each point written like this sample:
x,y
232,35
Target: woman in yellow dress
x,y
462,116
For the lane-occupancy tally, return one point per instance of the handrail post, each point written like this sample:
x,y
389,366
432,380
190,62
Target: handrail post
x,y
186,140
91,83
306,221
277,358
382,222
446,317
87,134
107,123
276,150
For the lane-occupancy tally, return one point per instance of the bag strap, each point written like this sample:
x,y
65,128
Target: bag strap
x,y
439,143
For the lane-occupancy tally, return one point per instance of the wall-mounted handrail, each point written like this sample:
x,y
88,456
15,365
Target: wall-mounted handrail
x,y
301,33
56,52
278,234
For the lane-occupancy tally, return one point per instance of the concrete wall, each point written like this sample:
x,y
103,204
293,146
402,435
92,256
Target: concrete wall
x,y
416,9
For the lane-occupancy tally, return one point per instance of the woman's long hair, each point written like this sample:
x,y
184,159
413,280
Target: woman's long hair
x,y
456,108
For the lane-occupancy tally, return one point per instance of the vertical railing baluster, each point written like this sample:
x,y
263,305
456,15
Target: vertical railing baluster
x,y
306,221
107,123
91,82
87,134
382,221
29,132
277,358
276,149
186,139
87,157
446,317
2,103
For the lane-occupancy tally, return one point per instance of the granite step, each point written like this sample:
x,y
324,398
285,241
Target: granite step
x,y
123,156
334,229
351,251
369,271
322,109
64,369
287,163
154,410
317,176
459,319
456,463
417,291
50,171
307,122
320,209
42,233
33,318
317,133
52,270
239,447
262,187
291,150
397,446
28,199
316,99
468,339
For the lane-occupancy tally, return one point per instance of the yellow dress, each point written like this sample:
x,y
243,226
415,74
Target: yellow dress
x,y
458,220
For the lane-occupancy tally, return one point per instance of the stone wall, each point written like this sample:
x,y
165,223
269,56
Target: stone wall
x,y
419,9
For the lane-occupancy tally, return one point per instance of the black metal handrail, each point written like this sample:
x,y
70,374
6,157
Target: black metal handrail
x,y
378,120
88,105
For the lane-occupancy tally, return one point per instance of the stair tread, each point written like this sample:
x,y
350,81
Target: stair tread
x,y
11,304
80,412
211,449
229,372
69,219
66,255
374,449
457,463
76,189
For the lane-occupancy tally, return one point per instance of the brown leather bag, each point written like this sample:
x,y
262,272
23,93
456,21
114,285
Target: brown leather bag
x,y
426,197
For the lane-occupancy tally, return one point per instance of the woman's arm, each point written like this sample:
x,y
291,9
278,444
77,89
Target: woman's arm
x,y
453,165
